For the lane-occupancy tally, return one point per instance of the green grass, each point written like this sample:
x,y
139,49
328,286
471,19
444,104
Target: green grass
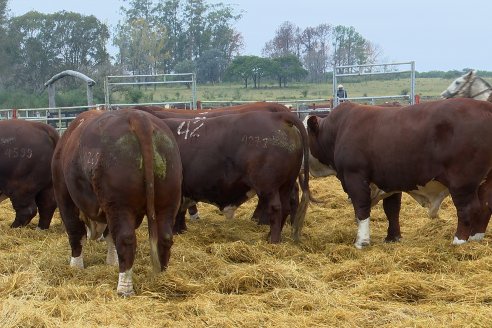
x,y
295,92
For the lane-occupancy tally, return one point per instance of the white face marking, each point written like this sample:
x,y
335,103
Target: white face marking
x,y
455,87
125,283
363,234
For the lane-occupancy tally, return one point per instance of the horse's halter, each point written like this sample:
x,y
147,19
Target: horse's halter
x,y
467,93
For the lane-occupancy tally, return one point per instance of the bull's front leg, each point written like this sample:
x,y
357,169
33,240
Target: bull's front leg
x,y
392,206
359,192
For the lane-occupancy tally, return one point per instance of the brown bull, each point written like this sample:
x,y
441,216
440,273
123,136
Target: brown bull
x,y
259,214
26,149
425,150
227,159
115,167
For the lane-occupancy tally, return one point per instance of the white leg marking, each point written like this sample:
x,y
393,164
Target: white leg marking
x,y
195,216
363,234
477,237
457,241
77,262
125,284
112,255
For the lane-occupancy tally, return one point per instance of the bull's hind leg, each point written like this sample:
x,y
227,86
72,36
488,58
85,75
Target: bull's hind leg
x,y
480,224
165,236
122,228
392,206
468,209
273,208
75,229
25,210
45,200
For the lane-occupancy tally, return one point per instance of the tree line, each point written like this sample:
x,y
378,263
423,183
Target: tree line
x,y
166,36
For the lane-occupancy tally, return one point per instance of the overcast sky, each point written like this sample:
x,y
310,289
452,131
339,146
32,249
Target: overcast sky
x,y
437,35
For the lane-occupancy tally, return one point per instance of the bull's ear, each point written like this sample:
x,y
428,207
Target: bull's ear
x,y
313,126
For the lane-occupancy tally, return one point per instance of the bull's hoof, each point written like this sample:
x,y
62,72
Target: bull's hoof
x,y
477,237
392,239
16,224
360,244
457,241
77,262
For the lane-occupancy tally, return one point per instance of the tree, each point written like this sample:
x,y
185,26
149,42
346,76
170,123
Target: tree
x,y
46,44
288,68
192,29
210,66
285,42
350,48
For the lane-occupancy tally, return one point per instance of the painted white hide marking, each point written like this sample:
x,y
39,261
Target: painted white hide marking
x,y
230,210
190,127
125,284
430,196
7,140
363,234
112,255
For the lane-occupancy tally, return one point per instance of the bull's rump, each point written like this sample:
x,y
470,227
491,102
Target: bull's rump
x,y
407,147
26,149
103,165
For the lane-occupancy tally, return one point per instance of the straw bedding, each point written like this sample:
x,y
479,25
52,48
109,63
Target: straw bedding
x,y
224,274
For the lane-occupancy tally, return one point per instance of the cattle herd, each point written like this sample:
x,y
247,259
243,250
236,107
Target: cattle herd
x,y
109,169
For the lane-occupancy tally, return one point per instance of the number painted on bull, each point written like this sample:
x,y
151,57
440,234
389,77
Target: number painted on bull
x,y
92,158
190,128
16,152
278,139
255,141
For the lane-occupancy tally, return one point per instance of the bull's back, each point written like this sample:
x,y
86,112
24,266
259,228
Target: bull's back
x,y
415,143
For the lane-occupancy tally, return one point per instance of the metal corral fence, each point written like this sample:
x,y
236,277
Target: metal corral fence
x,y
60,117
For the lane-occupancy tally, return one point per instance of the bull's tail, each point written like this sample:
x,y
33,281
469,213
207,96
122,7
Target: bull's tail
x,y
304,183
142,127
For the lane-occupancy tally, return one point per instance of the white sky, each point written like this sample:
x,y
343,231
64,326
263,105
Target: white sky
x,y
436,34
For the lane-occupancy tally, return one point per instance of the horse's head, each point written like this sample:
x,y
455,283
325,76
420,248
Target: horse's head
x,y
460,87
